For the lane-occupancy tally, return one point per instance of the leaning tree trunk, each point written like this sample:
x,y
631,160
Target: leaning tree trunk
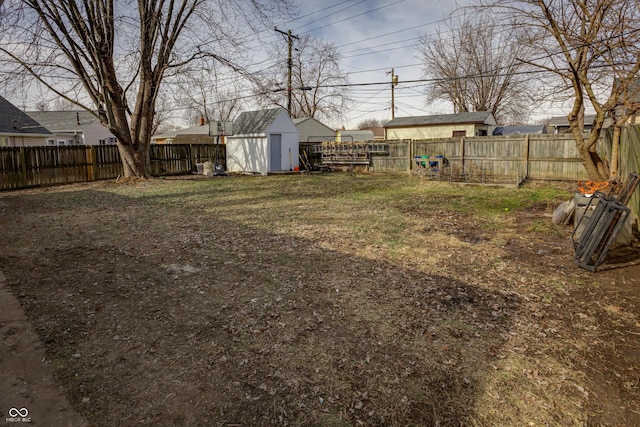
x,y
615,149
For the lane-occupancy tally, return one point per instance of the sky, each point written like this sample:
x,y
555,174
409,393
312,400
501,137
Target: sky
x,y
374,37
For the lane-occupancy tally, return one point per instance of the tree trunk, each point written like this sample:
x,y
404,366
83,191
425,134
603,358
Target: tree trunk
x,y
134,162
615,149
593,164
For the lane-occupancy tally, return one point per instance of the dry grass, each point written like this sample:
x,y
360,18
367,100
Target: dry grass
x,y
326,300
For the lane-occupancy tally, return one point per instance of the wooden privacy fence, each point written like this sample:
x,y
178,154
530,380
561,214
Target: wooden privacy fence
x,y
552,157
22,167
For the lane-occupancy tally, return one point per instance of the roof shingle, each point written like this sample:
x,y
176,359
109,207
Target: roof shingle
x,y
14,121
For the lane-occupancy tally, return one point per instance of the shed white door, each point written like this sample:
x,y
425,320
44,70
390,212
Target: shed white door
x,y
275,151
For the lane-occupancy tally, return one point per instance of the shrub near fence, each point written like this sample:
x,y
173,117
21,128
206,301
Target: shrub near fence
x,y
22,167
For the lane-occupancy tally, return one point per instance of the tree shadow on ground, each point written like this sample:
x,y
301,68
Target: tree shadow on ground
x,y
156,317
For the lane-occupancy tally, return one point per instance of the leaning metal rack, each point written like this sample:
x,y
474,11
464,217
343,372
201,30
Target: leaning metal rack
x,y
597,230
603,219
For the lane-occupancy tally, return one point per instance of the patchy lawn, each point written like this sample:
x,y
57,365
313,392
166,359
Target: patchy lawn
x,y
325,300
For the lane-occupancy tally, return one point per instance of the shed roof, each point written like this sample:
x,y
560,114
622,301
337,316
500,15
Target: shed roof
x,y
15,122
479,117
64,121
255,122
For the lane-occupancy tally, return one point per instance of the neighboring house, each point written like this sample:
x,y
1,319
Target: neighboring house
x,y
519,130
354,136
312,130
262,142
17,129
378,132
560,124
199,134
440,126
73,128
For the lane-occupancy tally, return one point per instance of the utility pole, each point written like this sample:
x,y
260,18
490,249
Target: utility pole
x,y
394,83
290,66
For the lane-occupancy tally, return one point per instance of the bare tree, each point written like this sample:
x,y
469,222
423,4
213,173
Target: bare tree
x,y
210,94
115,54
474,61
42,106
370,123
320,86
593,46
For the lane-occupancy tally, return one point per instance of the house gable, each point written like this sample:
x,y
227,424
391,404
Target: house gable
x,y
79,127
312,130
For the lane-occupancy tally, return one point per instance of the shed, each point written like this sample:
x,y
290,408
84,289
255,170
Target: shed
x,y
263,141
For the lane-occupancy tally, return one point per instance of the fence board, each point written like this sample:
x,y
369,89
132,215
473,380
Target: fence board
x,y
107,163
10,168
22,167
553,157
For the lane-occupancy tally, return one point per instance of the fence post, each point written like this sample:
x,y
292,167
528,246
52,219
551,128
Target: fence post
x,y
91,160
191,158
410,151
23,168
526,158
462,155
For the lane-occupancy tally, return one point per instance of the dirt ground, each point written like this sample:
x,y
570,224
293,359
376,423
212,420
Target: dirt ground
x,y
272,302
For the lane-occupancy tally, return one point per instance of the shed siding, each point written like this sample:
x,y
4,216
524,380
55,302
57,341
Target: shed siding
x,y
248,154
252,152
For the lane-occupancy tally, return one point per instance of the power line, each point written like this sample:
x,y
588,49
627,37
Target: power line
x,y
329,15
356,16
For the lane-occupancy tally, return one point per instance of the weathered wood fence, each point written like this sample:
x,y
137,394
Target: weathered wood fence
x,y
516,157
551,157
22,167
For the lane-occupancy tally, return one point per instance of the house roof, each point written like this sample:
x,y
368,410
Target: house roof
x,y
302,120
378,131
255,122
64,121
519,130
357,135
563,121
15,122
481,117
630,93
193,130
